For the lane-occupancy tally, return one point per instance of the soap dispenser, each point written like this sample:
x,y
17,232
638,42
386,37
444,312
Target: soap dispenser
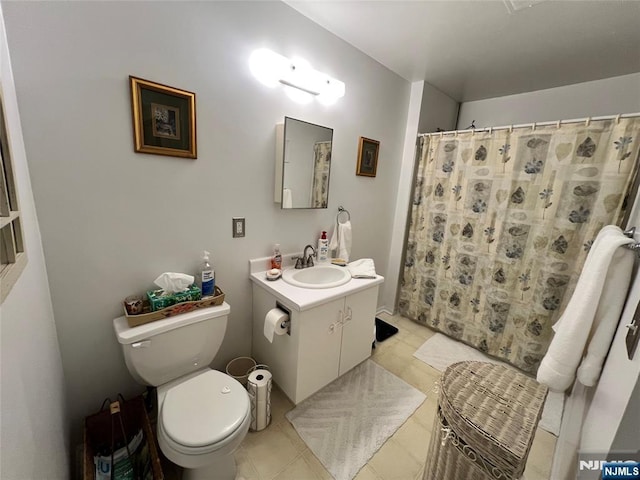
x,y
276,260
323,248
207,276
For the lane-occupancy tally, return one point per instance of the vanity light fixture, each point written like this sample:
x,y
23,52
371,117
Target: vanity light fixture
x,y
301,82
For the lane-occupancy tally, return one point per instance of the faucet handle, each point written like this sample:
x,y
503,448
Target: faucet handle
x,y
299,264
310,260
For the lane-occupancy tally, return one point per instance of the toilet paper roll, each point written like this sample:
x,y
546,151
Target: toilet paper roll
x,y
259,389
274,323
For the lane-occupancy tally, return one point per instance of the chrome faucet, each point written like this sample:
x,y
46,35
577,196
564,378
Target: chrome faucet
x,y
307,260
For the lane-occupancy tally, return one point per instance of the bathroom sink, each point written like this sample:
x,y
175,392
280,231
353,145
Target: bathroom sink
x,y
320,276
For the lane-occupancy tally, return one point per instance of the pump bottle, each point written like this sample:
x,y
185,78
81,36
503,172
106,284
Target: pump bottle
x,y
207,276
276,260
323,248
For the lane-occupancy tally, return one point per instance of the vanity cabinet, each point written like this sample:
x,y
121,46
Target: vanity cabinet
x,y
325,341
334,338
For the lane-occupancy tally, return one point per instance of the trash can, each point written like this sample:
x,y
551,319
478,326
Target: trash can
x,y
240,367
259,388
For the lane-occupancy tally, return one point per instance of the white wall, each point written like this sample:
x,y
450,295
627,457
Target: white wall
x,y
610,96
437,110
34,429
112,220
428,110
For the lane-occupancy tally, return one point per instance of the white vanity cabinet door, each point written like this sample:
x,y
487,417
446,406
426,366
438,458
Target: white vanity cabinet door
x,y
357,328
319,347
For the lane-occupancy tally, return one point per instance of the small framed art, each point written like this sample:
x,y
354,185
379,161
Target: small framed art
x,y
367,157
164,119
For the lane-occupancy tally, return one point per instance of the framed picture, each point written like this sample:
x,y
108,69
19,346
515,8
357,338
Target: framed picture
x,y
164,119
367,157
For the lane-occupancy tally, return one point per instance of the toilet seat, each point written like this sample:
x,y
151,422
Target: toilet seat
x,y
201,414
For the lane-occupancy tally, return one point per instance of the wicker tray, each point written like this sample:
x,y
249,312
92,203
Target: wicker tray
x,y
148,316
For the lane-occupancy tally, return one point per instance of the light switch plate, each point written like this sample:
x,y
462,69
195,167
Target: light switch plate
x,y
238,226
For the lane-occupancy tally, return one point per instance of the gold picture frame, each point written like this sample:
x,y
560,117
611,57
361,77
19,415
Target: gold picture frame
x,y
164,119
367,157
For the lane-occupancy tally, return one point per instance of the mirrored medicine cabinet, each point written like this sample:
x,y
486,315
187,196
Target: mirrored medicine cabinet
x,y
303,164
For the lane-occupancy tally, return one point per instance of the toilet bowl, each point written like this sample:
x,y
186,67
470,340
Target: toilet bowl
x,y
201,422
203,414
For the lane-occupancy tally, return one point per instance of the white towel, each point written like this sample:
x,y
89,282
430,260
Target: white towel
x,y
363,268
593,311
341,241
286,198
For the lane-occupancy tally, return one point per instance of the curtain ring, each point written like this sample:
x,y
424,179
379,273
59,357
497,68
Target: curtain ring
x,y
441,134
490,130
618,118
473,132
455,134
558,124
510,128
533,126
588,122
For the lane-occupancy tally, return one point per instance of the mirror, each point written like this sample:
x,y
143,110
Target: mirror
x,y
303,163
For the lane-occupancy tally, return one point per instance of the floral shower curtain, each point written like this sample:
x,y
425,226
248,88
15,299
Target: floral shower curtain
x,y
321,166
501,224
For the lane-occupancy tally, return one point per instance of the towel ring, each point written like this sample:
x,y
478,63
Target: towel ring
x,y
342,210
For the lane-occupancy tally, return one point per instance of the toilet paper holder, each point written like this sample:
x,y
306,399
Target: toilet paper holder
x,y
287,323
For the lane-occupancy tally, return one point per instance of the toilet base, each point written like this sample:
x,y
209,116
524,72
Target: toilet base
x,y
222,469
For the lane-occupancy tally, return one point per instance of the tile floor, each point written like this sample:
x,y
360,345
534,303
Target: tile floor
x,y
278,453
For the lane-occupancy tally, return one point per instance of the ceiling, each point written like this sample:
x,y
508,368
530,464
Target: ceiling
x,y
472,50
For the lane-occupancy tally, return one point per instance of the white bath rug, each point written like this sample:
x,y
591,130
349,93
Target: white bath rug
x,y
346,422
441,351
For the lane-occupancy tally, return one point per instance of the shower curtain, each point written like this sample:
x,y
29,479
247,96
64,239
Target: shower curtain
x,y
321,166
501,224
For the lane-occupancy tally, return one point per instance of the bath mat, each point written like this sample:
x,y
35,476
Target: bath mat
x,y
441,351
384,330
346,422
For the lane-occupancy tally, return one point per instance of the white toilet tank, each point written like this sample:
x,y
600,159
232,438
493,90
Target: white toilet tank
x,y
161,351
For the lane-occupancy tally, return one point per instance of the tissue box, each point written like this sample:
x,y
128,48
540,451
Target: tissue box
x,y
158,301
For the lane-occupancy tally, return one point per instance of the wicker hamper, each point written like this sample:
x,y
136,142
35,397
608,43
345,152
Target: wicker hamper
x,y
485,422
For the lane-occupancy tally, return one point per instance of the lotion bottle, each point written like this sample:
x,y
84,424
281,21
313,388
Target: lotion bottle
x,y
323,248
207,276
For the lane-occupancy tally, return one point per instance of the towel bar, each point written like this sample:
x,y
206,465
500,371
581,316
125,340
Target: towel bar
x,y
631,232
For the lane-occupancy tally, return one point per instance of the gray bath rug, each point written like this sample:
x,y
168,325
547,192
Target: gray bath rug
x,y
441,351
346,422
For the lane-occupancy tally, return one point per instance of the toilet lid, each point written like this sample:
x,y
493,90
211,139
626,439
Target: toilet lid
x,y
204,409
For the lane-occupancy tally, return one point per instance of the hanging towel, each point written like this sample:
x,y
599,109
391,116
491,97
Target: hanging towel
x,y
286,198
592,314
341,240
363,268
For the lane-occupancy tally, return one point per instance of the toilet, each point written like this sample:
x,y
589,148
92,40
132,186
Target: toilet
x,y
203,414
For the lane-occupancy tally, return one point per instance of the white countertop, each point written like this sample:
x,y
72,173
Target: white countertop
x,y
300,298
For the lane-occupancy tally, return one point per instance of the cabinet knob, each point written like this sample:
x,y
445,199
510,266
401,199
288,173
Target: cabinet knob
x,y
332,328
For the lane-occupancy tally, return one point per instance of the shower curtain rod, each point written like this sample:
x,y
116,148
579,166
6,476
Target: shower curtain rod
x,y
586,120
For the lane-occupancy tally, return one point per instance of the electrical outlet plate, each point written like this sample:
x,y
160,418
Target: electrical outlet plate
x,y
237,227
